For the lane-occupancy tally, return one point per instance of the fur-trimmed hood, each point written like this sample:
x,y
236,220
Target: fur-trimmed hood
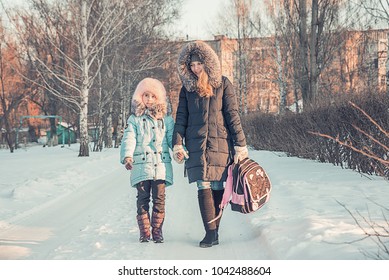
x,y
138,108
211,65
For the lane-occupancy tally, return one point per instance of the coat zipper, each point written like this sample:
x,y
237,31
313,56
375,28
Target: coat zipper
x,y
206,142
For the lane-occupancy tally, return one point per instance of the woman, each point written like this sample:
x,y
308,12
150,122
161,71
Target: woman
x,y
208,131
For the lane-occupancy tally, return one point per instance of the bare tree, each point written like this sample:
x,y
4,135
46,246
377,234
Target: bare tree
x,y
87,39
12,90
303,47
241,20
378,10
89,28
283,43
142,51
378,232
312,48
316,43
36,32
98,49
366,150
377,152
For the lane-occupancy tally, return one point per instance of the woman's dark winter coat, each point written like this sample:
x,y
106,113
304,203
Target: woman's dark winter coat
x,y
208,127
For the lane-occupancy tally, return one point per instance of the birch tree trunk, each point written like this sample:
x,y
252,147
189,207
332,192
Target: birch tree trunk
x,y
84,93
240,58
304,78
313,51
280,79
121,114
387,65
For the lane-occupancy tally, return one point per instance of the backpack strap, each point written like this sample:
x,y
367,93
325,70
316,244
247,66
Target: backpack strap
x,y
228,188
227,192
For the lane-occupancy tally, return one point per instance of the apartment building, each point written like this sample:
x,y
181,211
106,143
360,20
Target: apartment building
x,y
261,73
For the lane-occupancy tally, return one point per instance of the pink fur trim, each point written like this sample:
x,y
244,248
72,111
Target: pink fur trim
x,y
148,85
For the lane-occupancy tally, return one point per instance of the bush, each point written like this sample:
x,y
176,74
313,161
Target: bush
x,y
341,133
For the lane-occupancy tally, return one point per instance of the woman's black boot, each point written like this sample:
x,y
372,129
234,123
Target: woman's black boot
x,y
217,199
207,210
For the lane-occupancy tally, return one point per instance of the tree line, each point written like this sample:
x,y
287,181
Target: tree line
x,y
81,59
311,44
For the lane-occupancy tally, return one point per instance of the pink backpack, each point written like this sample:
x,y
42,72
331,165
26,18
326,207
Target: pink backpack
x,y
247,187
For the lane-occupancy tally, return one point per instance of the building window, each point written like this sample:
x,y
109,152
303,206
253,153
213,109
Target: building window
x,y
375,62
264,84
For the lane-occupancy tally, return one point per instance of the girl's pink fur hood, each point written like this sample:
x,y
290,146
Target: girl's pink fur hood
x,y
138,108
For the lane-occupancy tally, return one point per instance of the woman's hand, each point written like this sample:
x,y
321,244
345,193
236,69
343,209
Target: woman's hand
x,y
179,154
240,153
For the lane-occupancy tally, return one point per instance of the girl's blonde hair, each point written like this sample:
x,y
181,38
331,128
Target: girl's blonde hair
x,y
203,87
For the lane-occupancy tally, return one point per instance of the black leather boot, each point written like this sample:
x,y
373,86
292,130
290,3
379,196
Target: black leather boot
x,y
207,210
217,199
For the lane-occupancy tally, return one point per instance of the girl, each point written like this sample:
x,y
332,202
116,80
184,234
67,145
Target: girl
x,y
145,151
208,123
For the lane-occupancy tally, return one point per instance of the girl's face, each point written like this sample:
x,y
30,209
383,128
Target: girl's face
x,y
149,99
197,67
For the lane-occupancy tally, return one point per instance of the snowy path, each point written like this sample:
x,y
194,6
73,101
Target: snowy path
x,y
65,207
84,224
93,207
54,222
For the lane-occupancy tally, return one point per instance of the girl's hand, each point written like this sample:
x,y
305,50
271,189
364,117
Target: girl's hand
x,y
180,156
128,163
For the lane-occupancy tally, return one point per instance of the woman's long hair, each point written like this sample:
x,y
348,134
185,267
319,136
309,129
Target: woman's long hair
x,y
203,87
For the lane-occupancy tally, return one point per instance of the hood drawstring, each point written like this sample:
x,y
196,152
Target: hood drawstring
x,y
163,123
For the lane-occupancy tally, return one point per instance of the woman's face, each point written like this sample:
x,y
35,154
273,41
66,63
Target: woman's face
x,y
197,67
149,99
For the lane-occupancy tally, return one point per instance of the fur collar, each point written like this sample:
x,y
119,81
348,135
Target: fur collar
x,y
158,111
138,108
211,65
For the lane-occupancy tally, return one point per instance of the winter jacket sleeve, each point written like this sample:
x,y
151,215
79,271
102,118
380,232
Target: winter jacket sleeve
x,y
169,122
231,114
181,119
129,140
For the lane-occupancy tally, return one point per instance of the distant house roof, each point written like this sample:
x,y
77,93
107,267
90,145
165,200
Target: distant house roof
x,y
67,125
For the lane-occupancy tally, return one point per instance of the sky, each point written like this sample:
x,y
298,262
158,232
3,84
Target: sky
x,y
197,15
56,206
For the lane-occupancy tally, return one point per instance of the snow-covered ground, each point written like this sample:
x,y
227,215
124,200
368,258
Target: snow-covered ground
x,y
55,205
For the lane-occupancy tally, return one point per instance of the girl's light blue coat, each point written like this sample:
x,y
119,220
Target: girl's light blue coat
x,y
147,141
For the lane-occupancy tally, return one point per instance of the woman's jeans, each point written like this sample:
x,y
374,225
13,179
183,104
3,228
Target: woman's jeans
x,y
214,185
